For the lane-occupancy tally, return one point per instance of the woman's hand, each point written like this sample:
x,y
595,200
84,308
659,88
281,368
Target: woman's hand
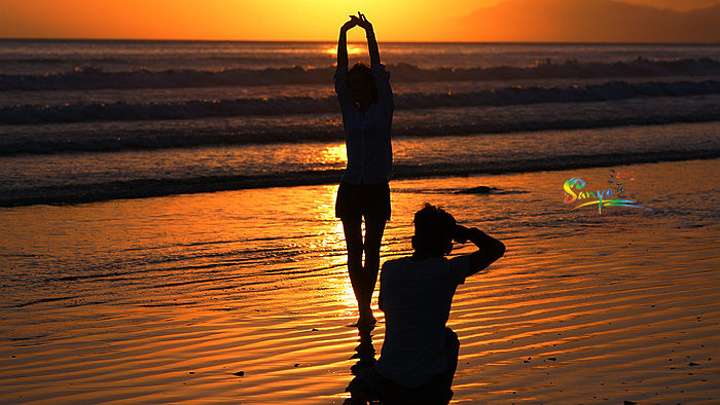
x,y
363,22
360,21
350,24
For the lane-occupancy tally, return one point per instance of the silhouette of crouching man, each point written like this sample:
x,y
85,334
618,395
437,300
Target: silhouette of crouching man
x,y
420,354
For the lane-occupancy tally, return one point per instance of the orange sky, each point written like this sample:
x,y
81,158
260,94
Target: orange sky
x,y
396,20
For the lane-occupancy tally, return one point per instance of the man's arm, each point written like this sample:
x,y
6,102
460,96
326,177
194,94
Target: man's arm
x,y
489,248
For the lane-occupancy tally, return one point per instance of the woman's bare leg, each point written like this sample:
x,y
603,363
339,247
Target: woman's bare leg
x,y
354,240
374,230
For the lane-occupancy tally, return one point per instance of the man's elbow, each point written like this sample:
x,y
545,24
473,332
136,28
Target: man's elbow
x,y
492,254
499,250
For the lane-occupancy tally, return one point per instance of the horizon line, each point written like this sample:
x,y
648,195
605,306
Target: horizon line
x,y
390,41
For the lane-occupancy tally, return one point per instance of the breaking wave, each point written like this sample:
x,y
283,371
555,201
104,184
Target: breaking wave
x,y
197,109
92,77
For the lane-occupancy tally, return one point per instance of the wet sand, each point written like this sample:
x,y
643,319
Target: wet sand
x,y
242,297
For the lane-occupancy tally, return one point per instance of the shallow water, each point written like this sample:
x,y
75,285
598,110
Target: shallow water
x,y
166,299
85,177
84,121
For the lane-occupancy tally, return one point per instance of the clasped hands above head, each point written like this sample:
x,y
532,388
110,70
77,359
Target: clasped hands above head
x,y
358,20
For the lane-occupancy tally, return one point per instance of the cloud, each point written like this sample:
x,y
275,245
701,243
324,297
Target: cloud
x,y
587,21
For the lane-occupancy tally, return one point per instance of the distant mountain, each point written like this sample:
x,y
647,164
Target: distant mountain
x,y
683,5
586,21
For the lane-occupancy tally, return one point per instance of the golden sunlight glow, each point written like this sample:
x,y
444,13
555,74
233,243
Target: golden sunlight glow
x,y
343,292
399,20
353,49
333,155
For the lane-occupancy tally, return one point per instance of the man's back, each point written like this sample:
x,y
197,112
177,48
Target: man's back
x,y
416,298
420,355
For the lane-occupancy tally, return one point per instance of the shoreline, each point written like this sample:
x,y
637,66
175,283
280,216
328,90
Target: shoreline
x,y
148,188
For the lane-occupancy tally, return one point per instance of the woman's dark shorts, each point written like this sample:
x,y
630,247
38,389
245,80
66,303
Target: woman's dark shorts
x,y
355,201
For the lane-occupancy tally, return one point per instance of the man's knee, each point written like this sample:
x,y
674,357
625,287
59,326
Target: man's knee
x,y
451,340
452,349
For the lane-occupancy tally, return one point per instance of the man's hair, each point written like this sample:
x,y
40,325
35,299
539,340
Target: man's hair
x,y
433,230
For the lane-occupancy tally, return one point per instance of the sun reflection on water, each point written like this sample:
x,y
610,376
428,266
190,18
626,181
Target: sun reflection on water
x,y
333,154
352,50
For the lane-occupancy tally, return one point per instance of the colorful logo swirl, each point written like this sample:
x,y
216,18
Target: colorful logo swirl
x,y
601,198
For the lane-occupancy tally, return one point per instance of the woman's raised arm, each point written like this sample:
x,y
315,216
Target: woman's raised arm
x,y
371,41
342,53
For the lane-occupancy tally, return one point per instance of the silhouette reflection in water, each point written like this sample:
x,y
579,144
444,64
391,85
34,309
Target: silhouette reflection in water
x,y
364,353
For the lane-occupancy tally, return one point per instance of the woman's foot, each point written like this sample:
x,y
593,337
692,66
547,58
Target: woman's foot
x,y
366,322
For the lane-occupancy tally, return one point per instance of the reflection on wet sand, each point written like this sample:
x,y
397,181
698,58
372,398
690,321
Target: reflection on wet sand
x,y
167,300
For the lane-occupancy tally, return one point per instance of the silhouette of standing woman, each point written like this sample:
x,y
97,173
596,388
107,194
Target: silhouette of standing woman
x,y
367,108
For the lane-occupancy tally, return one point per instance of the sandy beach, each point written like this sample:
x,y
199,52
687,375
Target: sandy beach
x,y
242,296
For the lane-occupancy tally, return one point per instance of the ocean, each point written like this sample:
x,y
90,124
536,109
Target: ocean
x,y
85,121
167,214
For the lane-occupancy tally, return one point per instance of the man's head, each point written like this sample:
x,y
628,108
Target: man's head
x,y
434,230
361,84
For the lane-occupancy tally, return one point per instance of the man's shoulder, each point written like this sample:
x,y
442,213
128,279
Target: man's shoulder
x,y
459,259
408,261
394,263
407,264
